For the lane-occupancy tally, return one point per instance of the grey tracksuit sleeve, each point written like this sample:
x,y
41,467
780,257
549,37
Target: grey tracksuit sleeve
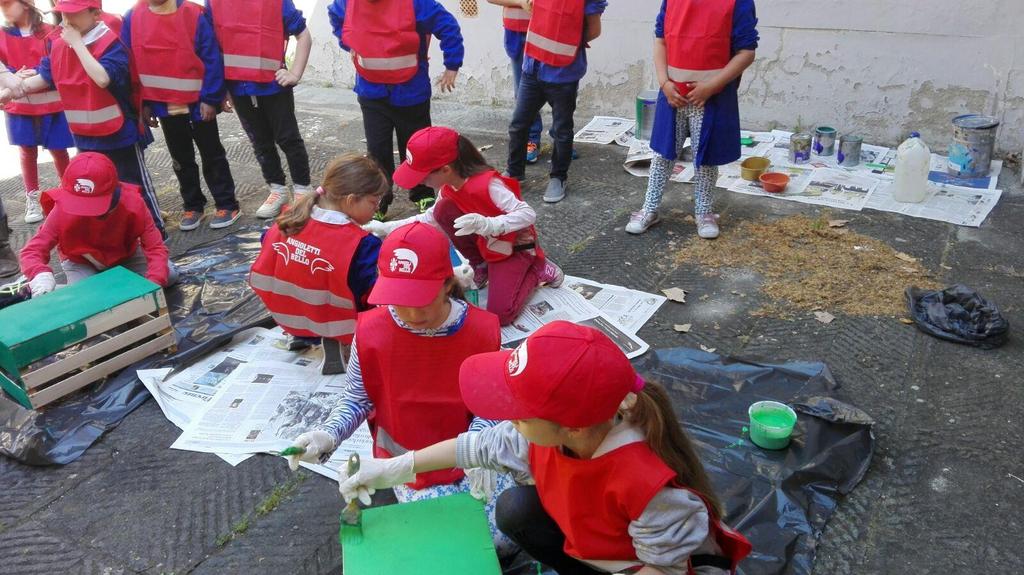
x,y
500,448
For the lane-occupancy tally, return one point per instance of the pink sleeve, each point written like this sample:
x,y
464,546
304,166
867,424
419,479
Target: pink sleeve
x,y
35,256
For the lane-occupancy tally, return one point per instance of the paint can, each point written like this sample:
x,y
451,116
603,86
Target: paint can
x,y
646,102
970,152
800,148
824,141
849,150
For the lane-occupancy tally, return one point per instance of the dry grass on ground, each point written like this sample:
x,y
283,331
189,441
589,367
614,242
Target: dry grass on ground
x,y
807,264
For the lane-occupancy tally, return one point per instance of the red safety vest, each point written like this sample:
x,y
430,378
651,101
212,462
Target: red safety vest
x,y
556,31
303,279
113,21
251,35
515,19
383,38
474,197
26,52
169,70
413,382
594,500
698,39
89,109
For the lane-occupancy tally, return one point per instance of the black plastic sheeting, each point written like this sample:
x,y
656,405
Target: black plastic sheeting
x,y
958,314
211,303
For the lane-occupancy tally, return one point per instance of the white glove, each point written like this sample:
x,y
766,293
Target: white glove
x,y
382,229
317,443
482,482
44,282
469,224
375,474
464,275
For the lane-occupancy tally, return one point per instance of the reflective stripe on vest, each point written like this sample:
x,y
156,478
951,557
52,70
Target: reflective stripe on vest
x,y
47,97
550,45
170,83
325,329
93,116
387,443
251,62
395,63
681,75
516,14
305,295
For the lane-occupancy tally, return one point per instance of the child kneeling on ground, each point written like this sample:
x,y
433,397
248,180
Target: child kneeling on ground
x,y
95,222
618,484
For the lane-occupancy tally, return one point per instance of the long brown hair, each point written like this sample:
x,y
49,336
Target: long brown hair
x,y
35,18
653,413
347,175
470,161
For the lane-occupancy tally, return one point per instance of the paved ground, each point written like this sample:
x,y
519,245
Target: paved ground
x,y
944,493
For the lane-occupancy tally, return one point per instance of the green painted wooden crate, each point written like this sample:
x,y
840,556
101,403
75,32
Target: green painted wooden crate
x,y
38,328
442,536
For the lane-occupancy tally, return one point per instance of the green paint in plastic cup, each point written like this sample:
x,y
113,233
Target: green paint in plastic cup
x,y
771,424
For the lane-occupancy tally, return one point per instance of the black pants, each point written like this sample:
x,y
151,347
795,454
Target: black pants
x,y
131,168
382,122
179,133
530,98
519,514
269,121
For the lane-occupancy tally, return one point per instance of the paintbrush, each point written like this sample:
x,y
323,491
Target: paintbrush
x,y
352,515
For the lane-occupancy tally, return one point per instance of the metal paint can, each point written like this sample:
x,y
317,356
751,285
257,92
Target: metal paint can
x,y
824,141
800,148
970,152
646,102
849,150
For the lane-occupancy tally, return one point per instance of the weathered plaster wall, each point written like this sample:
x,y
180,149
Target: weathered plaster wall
x,y
878,67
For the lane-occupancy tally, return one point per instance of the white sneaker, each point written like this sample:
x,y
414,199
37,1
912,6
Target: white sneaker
x,y
272,205
641,221
33,209
300,191
707,226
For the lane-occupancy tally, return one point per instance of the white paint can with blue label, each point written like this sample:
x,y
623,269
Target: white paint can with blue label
x,y
974,140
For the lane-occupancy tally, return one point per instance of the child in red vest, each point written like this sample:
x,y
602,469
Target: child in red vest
x,y
35,119
618,484
403,374
483,214
96,222
253,36
317,265
700,50
181,73
90,68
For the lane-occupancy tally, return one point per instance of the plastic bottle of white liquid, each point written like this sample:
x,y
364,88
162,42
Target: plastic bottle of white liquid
x,y
913,159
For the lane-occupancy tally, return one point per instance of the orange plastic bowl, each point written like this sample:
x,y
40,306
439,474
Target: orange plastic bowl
x,y
774,182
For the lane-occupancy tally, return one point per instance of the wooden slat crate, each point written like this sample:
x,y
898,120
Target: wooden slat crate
x,y
109,321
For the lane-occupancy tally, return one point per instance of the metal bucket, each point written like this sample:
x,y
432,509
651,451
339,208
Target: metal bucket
x,y
849,150
974,139
646,102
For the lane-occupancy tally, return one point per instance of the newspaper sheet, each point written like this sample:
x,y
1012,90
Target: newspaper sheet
x,y
939,174
360,442
799,178
954,204
604,130
262,406
547,305
638,158
629,309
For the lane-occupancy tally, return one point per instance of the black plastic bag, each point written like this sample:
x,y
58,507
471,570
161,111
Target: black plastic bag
x,y
958,314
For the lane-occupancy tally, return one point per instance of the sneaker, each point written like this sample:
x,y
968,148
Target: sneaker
x,y
272,205
425,204
555,192
224,218
640,222
296,343
300,191
707,226
190,220
33,209
532,152
334,360
551,275
480,276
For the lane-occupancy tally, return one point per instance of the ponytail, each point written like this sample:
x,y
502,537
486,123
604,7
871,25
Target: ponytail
x,y
292,221
652,412
470,161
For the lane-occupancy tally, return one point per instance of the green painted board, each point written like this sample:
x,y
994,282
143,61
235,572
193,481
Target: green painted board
x,y
442,536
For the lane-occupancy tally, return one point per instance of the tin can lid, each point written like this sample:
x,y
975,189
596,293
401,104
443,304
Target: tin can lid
x,y
975,121
825,129
851,138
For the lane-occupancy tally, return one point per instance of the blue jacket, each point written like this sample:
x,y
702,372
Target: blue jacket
x,y
208,50
431,19
720,130
294,24
565,74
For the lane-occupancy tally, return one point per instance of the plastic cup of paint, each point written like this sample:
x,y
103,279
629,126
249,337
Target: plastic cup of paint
x,y
771,424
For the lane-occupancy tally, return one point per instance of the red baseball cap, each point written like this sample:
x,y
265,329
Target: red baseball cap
x,y
428,149
87,186
414,263
73,6
570,374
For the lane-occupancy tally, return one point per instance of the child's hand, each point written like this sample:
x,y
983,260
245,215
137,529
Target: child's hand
x,y
207,113
6,95
26,73
228,105
526,5
700,92
672,95
446,82
43,283
375,474
72,36
470,224
149,118
316,443
482,482
286,78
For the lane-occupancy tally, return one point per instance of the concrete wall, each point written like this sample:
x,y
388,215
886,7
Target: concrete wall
x,y
878,67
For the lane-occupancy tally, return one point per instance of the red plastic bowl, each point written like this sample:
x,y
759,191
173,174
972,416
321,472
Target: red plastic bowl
x,y
774,182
